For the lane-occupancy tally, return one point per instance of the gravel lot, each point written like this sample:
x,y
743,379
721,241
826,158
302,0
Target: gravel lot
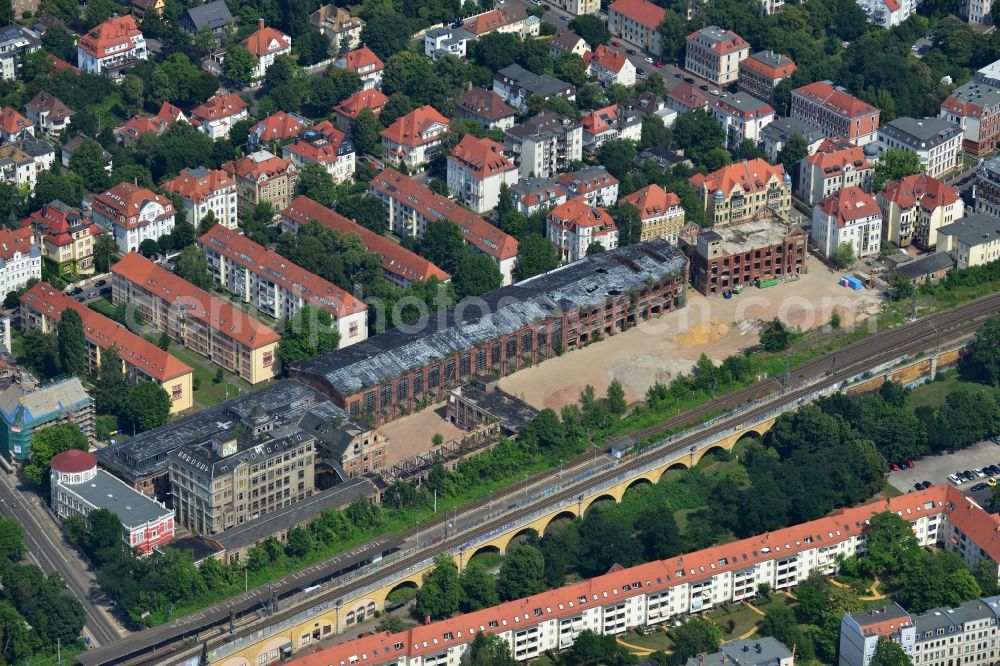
x,y
937,468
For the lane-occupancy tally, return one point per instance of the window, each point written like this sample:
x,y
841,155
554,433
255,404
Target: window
x,y
464,365
433,378
480,360
401,389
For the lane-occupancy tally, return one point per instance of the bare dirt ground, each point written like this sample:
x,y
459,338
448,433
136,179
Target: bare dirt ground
x,y
412,434
661,349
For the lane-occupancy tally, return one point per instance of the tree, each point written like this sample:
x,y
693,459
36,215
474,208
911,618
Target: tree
x,y
891,545
110,386
844,256
183,234
46,443
98,11
104,252
522,573
672,36
617,156
443,244
476,275
694,637
478,588
11,539
369,212
792,153
207,223
148,248
604,542
535,255
775,335
489,650
191,266
71,343
591,28
89,162
985,356
496,50
53,184
146,406
595,247
315,182
441,594
893,164
308,333
239,64
888,653
40,353
780,623
365,133
659,533
300,542
616,398
386,31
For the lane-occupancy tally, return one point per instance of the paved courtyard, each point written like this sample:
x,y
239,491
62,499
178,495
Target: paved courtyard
x,y
937,468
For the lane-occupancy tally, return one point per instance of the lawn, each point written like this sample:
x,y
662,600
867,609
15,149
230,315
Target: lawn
x,y
740,617
933,394
656,639
209,393
105,307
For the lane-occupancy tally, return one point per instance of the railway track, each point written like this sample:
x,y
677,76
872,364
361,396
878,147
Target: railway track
x,y
833,368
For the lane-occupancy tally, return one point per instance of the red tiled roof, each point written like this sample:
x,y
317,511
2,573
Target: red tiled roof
x,y
687,95
197,304
601,120
479,233
73,461
483,157
731,44
408,129
396,259
486,22
928,191
128,200
835,158
249,168
106,333
850,204
825,94
587,180
277,127
267,40
12,122
640,11
56,222
652,201
104,37
222,105
360,58
576,214
748,175
258,259
13,241
609,59
321,144
58,65
373,99
158,124
197,187
485,104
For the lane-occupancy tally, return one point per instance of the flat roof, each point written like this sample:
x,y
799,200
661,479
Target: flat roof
x,y
925,265
781,129
920,133
512,412
107,492
749,235
973,229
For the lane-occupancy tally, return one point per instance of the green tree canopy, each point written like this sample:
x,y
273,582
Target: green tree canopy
x,y
489,650
591,28
985,357
441,594
239,64
888,653
191,266
11,539
46,443
71,343
893,164
536,254
693,637
476,274
478,588
146,406
522,573
110,385
89,162
307,334
315,182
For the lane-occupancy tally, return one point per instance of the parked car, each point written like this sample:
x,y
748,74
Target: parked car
x,y
630,51
100,283
639,71
978,473
918,486
678,75
978,487
92,294
968,476
909,464
77,291
81,299
927,484
894,467
954,479
658,63
649,60
615,42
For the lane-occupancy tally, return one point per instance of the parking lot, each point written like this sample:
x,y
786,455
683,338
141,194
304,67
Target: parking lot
x,y
937,468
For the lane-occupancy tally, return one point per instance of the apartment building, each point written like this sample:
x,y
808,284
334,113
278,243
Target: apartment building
x,y
610,67
516,86
935,141
217,115
661,213
850,216
637,21
158,124
261,177
834,166
531,195
15,42
888,13
111,48
235,477
326,146
399,265
545,144
986,191
14,126
579,7
411,206
654,593
267,45
42,307
78,487
17,168
975,107
202,190
275,129
973,240
486,108
133,214
276,286
20,259
342,29
477,168
715,54
775,136
348,111
66,239
744,254
915,207
593,184
833,110
743,116
48,113
574,226
26,408
388,374
747,190
761,72
368,66
413,140
611,122
39,150
204,324
446,41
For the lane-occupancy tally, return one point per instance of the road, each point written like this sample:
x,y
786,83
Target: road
x,y
47,548
516,503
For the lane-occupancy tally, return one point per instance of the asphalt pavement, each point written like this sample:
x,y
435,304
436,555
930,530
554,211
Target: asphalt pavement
x,y
47,548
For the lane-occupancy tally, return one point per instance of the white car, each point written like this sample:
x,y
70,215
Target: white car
x,y
979,473
954,479
649,60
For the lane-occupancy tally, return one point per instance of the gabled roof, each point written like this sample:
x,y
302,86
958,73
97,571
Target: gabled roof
x,y
15,241
652,201
485,104
586,180
267,40
158,124
721,41
413,129
575,214
565,40
833,159
321,144
850,205
221,105
642,12
212,15
922,189
748,175
495,19
127,201
742,105
12,122
360,58
483,157
769,64
57,223
609,118
103,39
195,185
373,99
261,165
43,102
688,96
278,127
609,59
835,99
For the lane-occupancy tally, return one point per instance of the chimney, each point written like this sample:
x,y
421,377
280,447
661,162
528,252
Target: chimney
x,y
260,24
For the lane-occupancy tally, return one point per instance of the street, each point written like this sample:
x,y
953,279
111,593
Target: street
x,y
46,547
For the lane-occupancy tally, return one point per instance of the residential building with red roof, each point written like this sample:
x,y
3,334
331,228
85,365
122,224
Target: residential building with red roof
x,y
534,194
261,176
276,286
487,108
574,226
216,116
614,121
20,259
610,66
368,66
686,97
400,266
743,116
505,18
477,168
975,107
594,184
411,206
67,239
142,7
834,166
277,128
14,126
915,207
715,54
133,214
111,48
324,145
202,190
48,113
637,21
348,111
850,216
414,138
761,72
42,307
747,190
222,333
266,44
835,112
158,124
661,213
